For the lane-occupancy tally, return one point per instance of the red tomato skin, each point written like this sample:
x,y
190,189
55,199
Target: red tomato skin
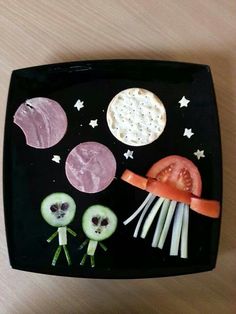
x,y
175,164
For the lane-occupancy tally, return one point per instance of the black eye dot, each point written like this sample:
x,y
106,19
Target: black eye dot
x,y
104,222
95,220
64,206
54,208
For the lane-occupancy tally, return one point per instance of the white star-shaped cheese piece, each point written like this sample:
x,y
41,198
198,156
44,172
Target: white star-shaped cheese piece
x,y
183,102
188,132
199,154
79,104
56,158
129,154
93,123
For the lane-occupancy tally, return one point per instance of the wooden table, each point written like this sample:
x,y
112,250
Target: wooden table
x,y
34,32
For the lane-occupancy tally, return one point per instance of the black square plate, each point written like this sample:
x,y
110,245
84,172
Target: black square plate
x,y
30,174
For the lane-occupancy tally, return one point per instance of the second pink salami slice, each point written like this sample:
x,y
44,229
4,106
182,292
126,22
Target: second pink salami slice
x,y
90,167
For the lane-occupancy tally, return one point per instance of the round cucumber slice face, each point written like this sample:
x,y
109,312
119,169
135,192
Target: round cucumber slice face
x,y
99,222
58,209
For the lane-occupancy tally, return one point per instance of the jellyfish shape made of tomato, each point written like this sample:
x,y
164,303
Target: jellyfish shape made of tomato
x,y
177,182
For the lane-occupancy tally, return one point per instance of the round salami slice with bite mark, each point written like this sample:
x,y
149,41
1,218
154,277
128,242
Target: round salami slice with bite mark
x,y
90,167
42,120
136,117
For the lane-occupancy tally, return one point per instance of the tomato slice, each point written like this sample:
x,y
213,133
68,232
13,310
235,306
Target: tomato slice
x,y
177,171
163,189
210,208
134,179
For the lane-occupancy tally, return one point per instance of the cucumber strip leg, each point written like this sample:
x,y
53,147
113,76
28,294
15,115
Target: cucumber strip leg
x,y
83,259
56,255
138,210
67,255
52,237
92,260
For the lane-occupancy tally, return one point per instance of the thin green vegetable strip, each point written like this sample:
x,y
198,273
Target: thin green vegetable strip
x,y
138,210
92,247
83,244
151,216
52,237
67,255
103,246
83,259
56,255
71,232
176,231
92,260
142,215
166,227
160,222
184,233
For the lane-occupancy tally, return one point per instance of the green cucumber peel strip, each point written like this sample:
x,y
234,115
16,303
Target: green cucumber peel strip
x,y
73,233
56,255
151,216
151,199
160,222
52,237
166,227
176,230
184,233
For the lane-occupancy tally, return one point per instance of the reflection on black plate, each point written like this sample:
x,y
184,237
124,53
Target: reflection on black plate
x,y
30,174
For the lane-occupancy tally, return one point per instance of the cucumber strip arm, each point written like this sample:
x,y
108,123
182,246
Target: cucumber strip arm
x,y
92,260
138,210
83,244
103,246
67,255
160,222
176,231
151,216
52,237
142,215
166,227
71,232
83,259
56,255
184,233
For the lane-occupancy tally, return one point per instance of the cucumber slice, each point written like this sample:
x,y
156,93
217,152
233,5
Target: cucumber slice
x,y
99,222
58,209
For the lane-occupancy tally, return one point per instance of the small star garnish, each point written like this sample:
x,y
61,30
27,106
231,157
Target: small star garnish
x,y
129,154
188,132
79,104
199,154
183,102
56,158
93,123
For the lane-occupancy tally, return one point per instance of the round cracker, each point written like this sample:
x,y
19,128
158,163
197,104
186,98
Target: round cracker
x,y
136,117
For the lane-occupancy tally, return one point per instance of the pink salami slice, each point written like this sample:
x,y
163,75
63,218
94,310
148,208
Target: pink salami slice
x,y
90,167
42,120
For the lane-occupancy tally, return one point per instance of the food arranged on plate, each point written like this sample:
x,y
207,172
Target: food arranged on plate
x,y
98,223
58,210
43,121
177,182
135,117
90,167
